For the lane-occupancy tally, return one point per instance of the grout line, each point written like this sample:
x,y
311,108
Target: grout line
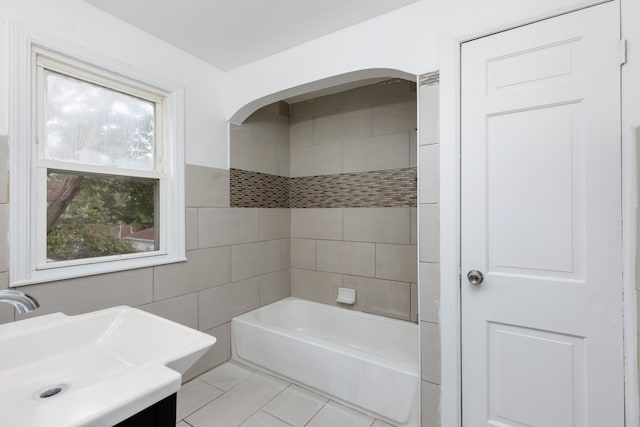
x,y
318,411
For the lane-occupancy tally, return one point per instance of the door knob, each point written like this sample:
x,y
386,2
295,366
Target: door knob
x,y
475,277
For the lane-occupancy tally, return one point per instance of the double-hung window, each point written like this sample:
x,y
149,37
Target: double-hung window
x,y
104,175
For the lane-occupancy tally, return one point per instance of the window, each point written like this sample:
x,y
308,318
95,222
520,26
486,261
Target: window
x,y
102,162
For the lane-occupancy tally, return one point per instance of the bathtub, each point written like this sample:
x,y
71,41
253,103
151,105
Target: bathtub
x,y
366,361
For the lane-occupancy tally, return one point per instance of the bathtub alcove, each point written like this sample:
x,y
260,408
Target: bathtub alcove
x,y
334,173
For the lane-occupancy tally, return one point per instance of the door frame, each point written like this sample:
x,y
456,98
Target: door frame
x,y
450,47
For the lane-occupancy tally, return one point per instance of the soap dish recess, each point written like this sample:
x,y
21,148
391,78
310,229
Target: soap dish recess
x,y
346,296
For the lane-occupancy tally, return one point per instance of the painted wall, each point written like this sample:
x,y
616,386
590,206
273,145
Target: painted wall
x,y
80,25
405,40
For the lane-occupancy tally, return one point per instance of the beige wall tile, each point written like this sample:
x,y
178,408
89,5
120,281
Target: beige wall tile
x,y
376,153
191,228
414,302
253,155
429,292
4,169
342,125
414,225
397,262
429,121
429,174
302,110
303,253
204,268
81,295
218,305
383,225
285,253
284,160
275,286
311,160
396,116
4,237
315,285
382,297
182,309
254,259
206,187
346,257
413,148
6,310
430,405
274,224
227,226
219,353
430,351
301,131
316,224
429,233
273,127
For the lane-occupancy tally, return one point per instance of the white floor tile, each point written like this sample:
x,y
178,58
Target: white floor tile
x,y
193,396
225,376
239,403
295,405
262,419
335,415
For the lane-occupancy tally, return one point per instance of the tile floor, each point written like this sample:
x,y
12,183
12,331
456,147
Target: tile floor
x,y
233,395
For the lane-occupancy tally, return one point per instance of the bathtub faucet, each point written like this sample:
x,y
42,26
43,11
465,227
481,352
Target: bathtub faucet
x,y
22,302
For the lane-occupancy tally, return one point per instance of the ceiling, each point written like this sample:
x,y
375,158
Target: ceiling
x,y
230,33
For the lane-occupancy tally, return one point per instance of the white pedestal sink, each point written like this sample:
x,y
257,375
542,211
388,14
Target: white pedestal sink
x,y
109,365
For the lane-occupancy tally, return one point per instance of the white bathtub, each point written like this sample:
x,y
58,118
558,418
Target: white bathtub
x,y
367,361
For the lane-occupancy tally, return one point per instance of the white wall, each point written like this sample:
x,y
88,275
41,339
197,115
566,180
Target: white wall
x,y
404,40
82,26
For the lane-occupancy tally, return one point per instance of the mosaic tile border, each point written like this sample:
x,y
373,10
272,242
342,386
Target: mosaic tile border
x,y
374,189
258,190
429,79
391,188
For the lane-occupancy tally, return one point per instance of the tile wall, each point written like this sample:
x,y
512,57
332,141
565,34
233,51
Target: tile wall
x,y
346,150
429,199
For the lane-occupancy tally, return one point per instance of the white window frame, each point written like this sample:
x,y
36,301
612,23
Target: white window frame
x,y
27,238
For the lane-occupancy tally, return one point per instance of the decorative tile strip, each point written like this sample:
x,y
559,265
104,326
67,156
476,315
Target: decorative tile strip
x,y
384,188
258,190
429,79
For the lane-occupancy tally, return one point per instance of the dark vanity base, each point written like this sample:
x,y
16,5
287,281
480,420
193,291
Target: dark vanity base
x,y
162,414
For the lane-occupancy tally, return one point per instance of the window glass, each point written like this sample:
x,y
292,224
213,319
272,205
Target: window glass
x,y
90,124
99,215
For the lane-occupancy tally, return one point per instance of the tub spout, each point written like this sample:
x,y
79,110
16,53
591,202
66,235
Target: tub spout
x,y
22,302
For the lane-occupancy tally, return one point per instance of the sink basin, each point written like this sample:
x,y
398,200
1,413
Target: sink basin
x,y
99,368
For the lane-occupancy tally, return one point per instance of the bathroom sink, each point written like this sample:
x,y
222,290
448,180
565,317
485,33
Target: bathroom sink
x,y
94,369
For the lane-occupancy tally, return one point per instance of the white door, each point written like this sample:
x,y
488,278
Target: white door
x,y
541,220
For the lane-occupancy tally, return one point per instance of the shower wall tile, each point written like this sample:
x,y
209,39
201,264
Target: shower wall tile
x,y
346,257
397,262
384,297
396,116
218,305
390,151
430,292
4,169
323,159
429,114
275,286
191,228
274,224
204,268
303,253
429,173
430,404
342,125
254,259
316,224
228,226
429,232
430,352
182,309
206,187
384,225
258,190
315,285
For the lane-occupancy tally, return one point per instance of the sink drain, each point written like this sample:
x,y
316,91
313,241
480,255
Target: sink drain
x,y
51,391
